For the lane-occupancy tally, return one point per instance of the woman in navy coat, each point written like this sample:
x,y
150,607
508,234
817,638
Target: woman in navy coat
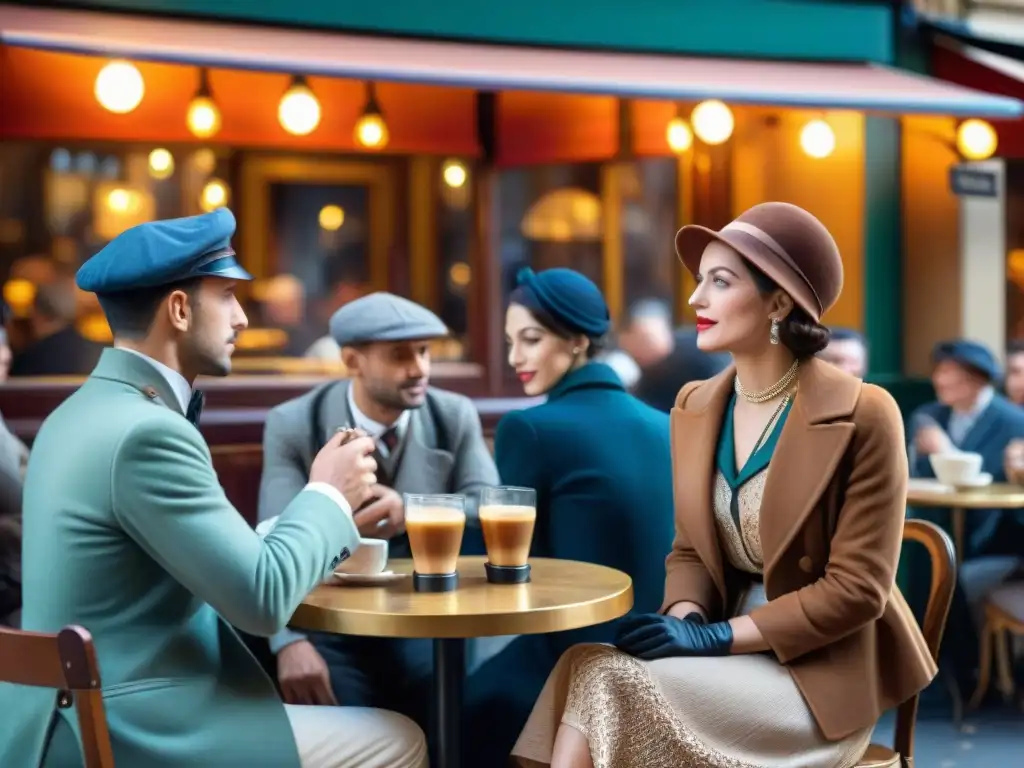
x,y
600,462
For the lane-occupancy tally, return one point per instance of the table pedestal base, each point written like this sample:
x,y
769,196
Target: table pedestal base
x,y
449,674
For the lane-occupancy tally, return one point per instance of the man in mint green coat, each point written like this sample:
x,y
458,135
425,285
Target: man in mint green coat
x,y
128,533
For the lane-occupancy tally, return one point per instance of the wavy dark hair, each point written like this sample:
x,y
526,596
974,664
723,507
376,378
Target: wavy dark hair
x,y
802,335
524,297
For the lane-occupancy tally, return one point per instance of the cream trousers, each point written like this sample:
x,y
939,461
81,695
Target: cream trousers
x,y
356,737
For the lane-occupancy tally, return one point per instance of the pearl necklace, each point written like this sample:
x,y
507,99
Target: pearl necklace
x,y
776,389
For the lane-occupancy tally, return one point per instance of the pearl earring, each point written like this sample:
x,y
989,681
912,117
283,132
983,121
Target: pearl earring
x,y
773,336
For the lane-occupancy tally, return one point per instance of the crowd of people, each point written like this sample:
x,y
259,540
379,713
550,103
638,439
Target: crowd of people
x,y
741,472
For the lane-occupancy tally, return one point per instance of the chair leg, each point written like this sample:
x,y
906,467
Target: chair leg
x,y
1003,664
985,664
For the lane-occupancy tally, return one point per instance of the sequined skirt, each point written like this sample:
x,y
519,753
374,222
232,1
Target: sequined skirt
x,y
728,712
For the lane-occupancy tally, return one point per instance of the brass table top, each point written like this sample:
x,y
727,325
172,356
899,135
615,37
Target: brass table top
x,y
994,496
563,594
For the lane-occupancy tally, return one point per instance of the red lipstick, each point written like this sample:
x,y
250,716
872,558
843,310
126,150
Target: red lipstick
x,y
704,323
526,376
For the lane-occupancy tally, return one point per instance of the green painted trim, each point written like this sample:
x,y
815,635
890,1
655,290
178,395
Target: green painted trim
x,y
883,223
883,258
786,29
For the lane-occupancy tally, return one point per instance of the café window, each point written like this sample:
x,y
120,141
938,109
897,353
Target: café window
x,y
61,203
649,204
551,216
453,278
315,231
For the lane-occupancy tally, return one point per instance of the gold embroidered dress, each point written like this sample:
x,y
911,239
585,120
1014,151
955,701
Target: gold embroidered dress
x,y
742,711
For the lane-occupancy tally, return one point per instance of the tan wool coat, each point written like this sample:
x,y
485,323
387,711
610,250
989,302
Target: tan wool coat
x,y
831,530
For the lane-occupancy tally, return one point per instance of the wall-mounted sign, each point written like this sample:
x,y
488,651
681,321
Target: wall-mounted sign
x,y
973,182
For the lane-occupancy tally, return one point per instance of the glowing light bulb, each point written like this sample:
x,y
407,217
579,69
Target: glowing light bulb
x,y
712,122
818,139
161,163
119,87
299,110
331,218
454,174
214,195
679,135
203,117
976,139
372,131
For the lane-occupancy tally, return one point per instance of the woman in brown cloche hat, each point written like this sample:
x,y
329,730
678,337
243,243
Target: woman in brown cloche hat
x,y
782,637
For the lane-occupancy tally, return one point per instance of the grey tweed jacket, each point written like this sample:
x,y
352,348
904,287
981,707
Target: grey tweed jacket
x,y
455,461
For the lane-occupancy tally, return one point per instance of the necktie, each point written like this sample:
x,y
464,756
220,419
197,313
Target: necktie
x,y
195,407
390,440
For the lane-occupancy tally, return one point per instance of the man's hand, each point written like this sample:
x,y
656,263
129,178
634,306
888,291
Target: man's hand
x,y
384,517
303,675
345,462
932,439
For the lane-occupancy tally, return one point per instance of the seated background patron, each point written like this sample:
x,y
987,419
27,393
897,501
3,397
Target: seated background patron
x,y
427,441
969,415
847,350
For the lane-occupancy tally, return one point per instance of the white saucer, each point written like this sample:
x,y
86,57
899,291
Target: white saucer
x,y
367,579
983,479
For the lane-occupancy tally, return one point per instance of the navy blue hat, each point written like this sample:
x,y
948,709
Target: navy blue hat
x,y
163,252
571,299
969,354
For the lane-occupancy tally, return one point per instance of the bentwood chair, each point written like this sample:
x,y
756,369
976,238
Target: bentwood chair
x,y
940,595
66,662
1004,617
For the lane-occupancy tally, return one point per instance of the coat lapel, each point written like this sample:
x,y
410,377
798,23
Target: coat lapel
x,y
987,424
334,412
695,431
813,441
422,465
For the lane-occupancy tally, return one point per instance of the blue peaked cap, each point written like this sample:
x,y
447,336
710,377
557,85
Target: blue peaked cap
x,y
163,252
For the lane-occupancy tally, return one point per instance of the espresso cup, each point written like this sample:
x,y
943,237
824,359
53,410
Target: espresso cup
x,y
369,558
507,516
956,468
435,525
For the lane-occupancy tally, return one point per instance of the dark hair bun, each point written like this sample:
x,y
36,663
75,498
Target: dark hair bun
x,y
802,336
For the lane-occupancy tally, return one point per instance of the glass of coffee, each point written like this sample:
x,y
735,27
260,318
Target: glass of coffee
x,y
507,517
435,524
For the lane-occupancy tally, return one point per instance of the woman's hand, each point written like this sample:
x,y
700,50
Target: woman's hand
x,y
654,636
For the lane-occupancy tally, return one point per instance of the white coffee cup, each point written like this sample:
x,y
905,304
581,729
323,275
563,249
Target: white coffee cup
x,y
955,467
370,558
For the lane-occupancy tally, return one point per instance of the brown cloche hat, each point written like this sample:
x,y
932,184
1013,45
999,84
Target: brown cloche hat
x,y
785,242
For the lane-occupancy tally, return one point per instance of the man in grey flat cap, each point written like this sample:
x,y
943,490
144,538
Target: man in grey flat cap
x,y
428,441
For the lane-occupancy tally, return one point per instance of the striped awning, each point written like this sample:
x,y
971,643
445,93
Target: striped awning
x,y
865,87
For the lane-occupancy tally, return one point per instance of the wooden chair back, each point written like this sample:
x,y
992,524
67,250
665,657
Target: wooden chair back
x,y
66,662
940,595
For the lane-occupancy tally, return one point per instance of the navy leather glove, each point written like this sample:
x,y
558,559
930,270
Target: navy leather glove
x,y
653,636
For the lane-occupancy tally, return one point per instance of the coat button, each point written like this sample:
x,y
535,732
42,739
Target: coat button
x,y
150,392
806,565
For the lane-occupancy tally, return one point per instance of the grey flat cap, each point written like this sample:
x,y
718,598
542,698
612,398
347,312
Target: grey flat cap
x,y
384,317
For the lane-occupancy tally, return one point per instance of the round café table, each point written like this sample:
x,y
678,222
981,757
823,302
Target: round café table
x,y
932,493
563,594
